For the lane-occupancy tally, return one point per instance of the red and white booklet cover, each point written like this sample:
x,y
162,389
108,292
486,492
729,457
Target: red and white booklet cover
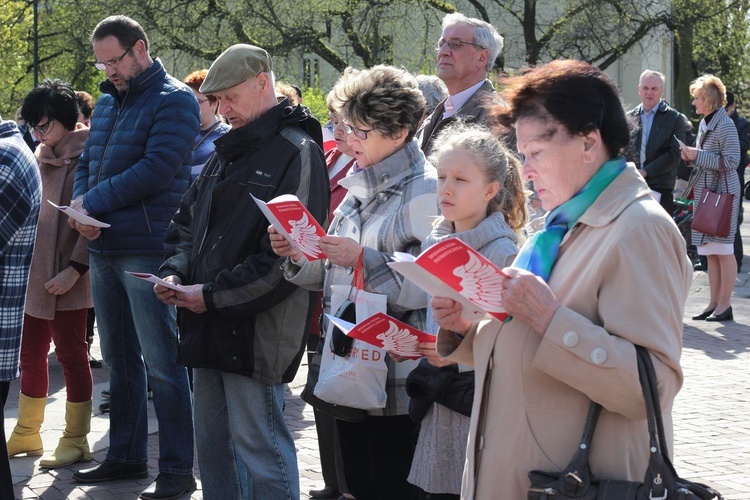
x,y
451,268
292,219
386,333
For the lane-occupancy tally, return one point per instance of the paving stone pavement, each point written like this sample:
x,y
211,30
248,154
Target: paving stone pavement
x,y
711,414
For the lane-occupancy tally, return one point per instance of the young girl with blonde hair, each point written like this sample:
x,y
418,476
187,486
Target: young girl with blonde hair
x,y
483,201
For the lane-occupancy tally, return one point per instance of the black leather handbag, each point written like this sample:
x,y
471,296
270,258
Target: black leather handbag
x,y
661,480
427,384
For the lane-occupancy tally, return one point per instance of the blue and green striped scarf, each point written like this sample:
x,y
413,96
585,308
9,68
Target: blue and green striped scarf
x,y
539,254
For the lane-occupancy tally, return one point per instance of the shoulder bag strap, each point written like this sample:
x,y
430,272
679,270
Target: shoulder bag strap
x,y
576,479
208,132
660,474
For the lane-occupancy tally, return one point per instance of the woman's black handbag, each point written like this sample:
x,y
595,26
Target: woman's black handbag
x,y
661,480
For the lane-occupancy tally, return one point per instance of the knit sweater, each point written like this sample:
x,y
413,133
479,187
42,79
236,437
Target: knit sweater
x,y
57,244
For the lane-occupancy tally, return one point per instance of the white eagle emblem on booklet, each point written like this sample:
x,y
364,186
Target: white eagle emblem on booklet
x,y
385,332
292,220
451,268
305,235
481,284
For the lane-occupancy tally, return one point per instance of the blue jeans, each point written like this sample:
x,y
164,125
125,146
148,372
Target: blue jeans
x,y
245,449
136,328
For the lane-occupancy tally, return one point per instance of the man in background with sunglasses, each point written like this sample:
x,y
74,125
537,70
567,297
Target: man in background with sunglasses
x,y
466,52
132,175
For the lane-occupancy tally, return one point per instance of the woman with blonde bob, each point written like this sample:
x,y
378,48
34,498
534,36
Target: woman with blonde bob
x,y
715,159
572,339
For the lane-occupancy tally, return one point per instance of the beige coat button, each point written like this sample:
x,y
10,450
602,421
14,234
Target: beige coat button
x,y
570,339
598,356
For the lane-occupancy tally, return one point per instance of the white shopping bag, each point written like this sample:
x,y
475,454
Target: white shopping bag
x,y
357,380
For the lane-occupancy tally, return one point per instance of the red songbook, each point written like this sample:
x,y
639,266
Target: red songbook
x,y
292,220
451,268
386,333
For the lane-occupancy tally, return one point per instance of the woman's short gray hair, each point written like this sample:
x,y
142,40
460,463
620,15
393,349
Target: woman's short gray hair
x,y
485,35
384,98
433,89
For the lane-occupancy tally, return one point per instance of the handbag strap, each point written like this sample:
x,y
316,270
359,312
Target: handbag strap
x,y
358,279
577,477
208,132
660,474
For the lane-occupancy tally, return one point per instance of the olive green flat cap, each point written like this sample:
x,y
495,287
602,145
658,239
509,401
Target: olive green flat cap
x,y
235,65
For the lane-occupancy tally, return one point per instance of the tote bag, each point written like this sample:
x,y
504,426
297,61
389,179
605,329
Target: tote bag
x,y
358,379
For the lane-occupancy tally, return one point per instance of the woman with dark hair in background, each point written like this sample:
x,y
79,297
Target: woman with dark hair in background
x,y
59,293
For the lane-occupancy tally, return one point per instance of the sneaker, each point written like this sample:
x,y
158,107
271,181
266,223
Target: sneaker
x,y
104,407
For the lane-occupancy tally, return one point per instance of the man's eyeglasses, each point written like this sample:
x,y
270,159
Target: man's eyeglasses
x,y
101,66
455,44
358,132
42,129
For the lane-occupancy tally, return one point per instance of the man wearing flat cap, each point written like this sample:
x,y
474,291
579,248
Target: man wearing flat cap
x,y
242,325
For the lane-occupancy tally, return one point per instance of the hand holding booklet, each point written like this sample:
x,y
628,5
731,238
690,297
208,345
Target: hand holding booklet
x,y
78,216
386,333
292,220
453,269
155,279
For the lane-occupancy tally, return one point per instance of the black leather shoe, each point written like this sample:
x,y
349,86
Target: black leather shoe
x,y
725,316
169,486
327,493
109,471
703,315
699,267
93,362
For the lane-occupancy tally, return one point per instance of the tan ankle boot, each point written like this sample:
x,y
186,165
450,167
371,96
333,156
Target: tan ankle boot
x,y
25,437
73,446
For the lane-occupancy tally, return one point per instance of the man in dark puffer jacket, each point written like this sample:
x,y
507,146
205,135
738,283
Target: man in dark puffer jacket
x,y
132,175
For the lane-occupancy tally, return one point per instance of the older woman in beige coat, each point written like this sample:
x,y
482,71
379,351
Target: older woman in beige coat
x,y
59,293
607,273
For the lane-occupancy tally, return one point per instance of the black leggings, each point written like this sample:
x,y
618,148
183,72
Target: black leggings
x,y
377,455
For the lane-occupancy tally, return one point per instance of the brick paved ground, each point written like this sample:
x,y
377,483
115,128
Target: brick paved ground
x,y
711,414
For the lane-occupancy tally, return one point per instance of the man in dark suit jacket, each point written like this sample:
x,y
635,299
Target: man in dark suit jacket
x,y
467,50
653,147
